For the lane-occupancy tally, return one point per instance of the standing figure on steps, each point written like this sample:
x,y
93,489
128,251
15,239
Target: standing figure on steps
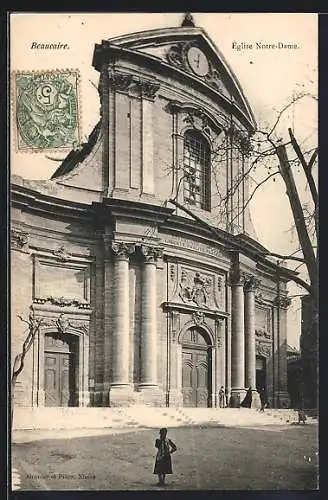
x,y
263,399
247,402
222,397
163,463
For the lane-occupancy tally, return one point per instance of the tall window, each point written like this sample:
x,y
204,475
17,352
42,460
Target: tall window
x,y
196,162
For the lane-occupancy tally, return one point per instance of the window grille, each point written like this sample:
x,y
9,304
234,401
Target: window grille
x,y
196,186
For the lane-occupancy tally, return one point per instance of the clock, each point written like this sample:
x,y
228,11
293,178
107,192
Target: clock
x,y
197,61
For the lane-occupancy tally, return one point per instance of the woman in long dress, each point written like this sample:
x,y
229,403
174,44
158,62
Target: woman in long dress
x,y
163,462
247,402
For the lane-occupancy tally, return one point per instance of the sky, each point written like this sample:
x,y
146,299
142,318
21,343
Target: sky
x,y
269,78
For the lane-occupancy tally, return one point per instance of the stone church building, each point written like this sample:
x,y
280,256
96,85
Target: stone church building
x,y
138,255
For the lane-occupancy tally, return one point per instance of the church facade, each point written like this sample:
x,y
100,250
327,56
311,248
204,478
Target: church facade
x,y
138,254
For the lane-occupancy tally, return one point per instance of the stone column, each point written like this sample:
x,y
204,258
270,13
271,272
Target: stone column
x,y
250,349
148,349
237,342
282,302
121,391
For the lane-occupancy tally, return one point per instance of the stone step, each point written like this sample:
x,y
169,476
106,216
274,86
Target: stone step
x,y
141,416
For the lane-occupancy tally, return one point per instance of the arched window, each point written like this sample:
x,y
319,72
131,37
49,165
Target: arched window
x,y
196,163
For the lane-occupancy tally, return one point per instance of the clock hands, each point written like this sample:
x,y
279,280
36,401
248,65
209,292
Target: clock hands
x,y
197,60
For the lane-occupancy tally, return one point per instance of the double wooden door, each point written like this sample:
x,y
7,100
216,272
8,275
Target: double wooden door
x,y
196,377
60,366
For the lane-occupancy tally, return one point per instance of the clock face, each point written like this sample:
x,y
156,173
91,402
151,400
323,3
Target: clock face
x,y
197,61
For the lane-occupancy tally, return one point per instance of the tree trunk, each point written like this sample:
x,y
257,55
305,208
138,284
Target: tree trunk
x,y
298,215
12,399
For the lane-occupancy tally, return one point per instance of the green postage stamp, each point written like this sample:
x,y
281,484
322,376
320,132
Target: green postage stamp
x,y
47,110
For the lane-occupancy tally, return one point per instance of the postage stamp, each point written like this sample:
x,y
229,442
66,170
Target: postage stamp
x,y
46,109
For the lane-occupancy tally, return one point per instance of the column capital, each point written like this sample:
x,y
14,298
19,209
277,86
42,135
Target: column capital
x,y
282,301
151,254
147,88
122,250
120,81
251,283
237,278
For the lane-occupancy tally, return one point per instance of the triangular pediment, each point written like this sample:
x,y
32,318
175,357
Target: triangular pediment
x,y
191,51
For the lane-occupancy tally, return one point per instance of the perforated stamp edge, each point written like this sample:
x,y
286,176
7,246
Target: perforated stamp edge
x,y
13,121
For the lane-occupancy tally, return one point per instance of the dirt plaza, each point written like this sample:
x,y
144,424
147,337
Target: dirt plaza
x,y
210,457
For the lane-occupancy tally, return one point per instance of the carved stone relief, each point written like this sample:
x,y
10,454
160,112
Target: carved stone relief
x,y
61,254
62,302
196,287
198,317
19,240
263,349
61,324
263,322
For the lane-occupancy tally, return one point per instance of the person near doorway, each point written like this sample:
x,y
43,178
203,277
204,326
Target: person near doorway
x,y
263,398
163,462
247,401
222,397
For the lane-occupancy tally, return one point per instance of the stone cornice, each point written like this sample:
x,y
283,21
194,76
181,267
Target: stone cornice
x,y
180,306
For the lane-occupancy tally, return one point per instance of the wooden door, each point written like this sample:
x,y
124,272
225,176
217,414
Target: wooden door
x,y
59,372
195,377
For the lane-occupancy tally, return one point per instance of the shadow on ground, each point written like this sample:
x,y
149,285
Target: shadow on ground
x,y
208,458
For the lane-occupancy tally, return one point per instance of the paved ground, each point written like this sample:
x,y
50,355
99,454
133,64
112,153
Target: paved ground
x,y
223,458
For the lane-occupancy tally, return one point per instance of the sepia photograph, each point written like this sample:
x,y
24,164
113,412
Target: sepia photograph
x,y
163,251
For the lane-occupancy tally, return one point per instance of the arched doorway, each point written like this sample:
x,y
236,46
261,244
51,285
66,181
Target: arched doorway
x,y
60,369
196,368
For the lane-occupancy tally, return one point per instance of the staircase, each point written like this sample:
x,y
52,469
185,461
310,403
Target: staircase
x,y
148,417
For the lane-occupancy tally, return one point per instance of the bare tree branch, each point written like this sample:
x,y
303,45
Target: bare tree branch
x,y
286,257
